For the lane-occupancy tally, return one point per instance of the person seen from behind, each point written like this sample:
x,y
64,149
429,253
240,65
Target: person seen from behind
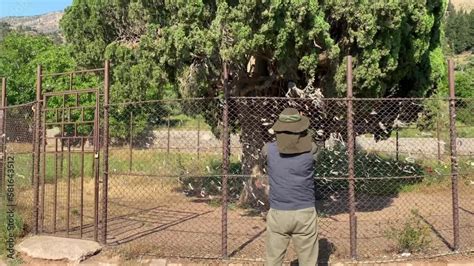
x,y
290,167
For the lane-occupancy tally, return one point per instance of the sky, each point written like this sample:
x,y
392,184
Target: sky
x,y
31,7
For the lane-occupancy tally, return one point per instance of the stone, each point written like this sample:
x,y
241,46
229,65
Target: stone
x,y
58,248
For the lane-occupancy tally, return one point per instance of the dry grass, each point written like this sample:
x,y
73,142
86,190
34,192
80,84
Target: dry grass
x,y
463,4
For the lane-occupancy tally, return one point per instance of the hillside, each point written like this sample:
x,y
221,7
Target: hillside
x,y
49,22
46,23
463,4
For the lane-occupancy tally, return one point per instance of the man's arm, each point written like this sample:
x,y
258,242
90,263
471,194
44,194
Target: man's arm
x,y
262,159
317,148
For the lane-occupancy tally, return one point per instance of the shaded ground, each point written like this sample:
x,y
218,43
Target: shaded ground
x,y
148,216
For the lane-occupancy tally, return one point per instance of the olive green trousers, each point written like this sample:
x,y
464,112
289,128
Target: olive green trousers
x,y
301,226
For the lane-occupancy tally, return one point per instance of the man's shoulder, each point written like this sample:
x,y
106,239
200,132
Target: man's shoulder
x,y
266,148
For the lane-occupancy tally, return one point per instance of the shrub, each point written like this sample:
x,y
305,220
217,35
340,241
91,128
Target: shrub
x,y
412,236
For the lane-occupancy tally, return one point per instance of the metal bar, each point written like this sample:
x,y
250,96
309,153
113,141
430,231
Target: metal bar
x,y
70,80
130,145
105,181
36,152
61,165
454,160
225,160
43,171
199,139
168,136
396,143
350,155
82,189
55,196
438,139
69,107
72,72
68,199
70,123
70,92
96,169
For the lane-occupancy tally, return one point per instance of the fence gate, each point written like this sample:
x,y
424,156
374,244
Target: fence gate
x,y
67,144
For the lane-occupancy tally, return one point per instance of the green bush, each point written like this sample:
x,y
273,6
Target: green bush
x,y
366,165
210,184
413,236
15,231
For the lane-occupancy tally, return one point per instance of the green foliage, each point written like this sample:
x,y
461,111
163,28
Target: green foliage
x,y
210,183
413,236
6,229
181,45
460,30
20,54
366,165
5,29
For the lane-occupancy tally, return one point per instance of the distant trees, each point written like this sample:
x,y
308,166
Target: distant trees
x,y
459,30
20,53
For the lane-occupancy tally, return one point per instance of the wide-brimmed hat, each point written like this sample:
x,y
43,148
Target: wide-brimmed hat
x,y
290,120
291,130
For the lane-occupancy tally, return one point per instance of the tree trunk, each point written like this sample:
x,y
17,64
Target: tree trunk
x,y
253,137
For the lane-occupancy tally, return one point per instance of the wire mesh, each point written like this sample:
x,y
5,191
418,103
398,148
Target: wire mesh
x,y
18,136
166,165
165,193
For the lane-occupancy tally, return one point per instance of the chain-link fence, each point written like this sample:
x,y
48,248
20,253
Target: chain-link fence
x,y
167,172
179,177
17,159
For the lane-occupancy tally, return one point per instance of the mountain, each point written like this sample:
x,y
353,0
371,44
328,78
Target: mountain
x,y
463,4
46,23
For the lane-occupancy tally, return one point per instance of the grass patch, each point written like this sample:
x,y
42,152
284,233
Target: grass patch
x,y
412,236
10,228
184,122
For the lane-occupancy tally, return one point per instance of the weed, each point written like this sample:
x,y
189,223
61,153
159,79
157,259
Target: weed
x,y
413,236
136,251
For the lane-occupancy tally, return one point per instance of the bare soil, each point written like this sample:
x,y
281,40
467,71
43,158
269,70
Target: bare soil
x,y
152,217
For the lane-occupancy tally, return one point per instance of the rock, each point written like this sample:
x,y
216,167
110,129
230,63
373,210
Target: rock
x,y
58,248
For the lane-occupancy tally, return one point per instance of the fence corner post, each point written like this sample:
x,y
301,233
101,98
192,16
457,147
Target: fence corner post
x,y
225,160
454,159
350,154
105,176
36,150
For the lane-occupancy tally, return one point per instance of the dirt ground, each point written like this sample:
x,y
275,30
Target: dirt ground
x,y
151,217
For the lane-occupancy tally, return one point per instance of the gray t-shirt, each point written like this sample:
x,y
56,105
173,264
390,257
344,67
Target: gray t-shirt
x,y
291,178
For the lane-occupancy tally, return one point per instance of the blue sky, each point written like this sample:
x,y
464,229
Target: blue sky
x,y
31,7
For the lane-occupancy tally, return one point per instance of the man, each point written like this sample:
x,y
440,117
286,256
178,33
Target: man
x,y
290,167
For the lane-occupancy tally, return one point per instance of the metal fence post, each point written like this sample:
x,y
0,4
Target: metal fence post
x,y
130,145
350,154
225,160
105,179
396,143
3,134
168,136
36,153
438,139
454,160
199,139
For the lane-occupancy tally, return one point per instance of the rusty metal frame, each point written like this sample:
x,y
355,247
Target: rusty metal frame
x,y
225,161
351,159
40,148
454,159
105,178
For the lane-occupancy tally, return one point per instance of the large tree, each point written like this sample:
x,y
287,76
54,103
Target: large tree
x,y
270,46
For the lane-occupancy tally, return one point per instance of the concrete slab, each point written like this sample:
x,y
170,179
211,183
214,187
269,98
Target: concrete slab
x,y
58,248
